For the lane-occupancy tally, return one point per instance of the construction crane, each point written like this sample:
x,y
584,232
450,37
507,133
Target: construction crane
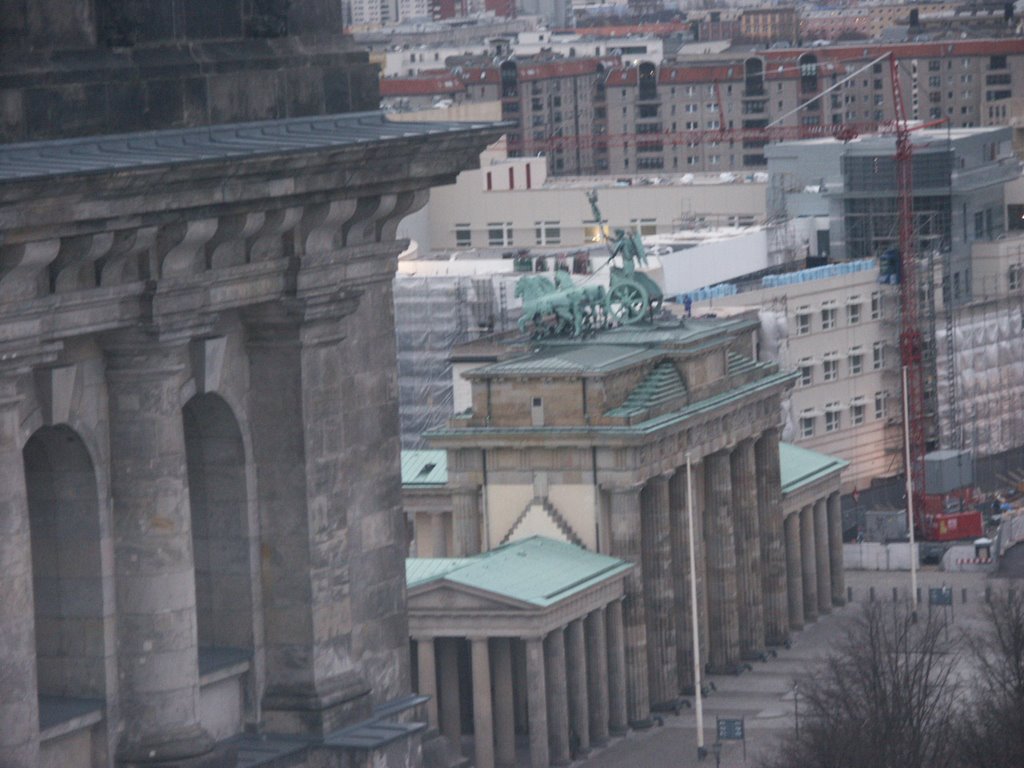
x,y
930,517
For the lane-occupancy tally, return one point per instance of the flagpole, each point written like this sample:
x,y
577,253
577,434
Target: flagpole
x,y
697,695
910,499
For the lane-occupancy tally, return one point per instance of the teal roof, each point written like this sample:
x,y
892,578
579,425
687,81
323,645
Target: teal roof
x,y
802,466
425,467
538,571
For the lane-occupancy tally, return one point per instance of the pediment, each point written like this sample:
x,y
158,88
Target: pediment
x,y
444,596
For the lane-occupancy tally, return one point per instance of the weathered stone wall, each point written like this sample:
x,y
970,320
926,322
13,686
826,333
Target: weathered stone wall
x,y
215,341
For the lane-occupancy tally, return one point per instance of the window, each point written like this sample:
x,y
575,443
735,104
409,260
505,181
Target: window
x,y
832,414
853,311
644,226
856,361
463,236
806,372
499,233
856,414
879,405
830,368
876,305
828,318
803,321
807,424
547,232
1014,276
878,355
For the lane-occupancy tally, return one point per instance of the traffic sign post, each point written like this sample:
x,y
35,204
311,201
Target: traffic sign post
x,y
732,729
942,597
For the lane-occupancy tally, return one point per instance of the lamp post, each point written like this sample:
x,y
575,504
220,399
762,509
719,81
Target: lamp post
x,y
796,708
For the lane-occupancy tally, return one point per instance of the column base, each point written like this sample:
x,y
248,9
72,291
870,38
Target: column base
x,y
617,733
838,602
317,713
192,748
753,655
641,725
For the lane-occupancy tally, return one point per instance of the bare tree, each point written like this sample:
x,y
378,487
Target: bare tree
x,y
885,699
992,730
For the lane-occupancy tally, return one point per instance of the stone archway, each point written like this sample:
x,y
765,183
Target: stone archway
x,y
67,570
221,535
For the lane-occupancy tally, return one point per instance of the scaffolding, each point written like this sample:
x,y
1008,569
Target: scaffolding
x,y
432,316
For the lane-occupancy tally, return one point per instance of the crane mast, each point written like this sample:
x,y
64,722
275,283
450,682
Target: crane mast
x,y
911,354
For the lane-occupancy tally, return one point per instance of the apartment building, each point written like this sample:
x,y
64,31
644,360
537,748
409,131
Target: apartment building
x,y
713,116
837,327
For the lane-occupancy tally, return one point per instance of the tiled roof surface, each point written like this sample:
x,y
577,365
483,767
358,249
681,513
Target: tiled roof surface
x,y
537,570
802,466
424,467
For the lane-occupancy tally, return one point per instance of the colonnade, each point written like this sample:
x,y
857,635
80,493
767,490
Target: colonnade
x,y
814,559
566,690
741,570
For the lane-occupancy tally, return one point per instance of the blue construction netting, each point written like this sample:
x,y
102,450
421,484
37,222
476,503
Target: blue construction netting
x,y
712,292
818,273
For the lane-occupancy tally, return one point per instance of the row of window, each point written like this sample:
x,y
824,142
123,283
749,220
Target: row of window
x,y
501,233
830,364
830,313
833,415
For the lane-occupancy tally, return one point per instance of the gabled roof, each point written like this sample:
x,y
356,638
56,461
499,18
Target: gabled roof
x,y
539,572
802,466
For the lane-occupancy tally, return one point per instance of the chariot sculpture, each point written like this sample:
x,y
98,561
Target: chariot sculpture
x,y
565,308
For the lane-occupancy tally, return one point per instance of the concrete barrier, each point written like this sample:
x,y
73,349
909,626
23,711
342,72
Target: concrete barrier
x,y
874,556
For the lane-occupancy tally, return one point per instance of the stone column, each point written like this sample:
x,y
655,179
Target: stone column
x,y
483,722
835,549
465,522
558,697
794,572
597,676
678,530
773,548
154,572
427,676
324,510
618,693
821,549
579,706
748,550
723,620
659,595
537,702
810,564
504,710
625,544
451,708
19,710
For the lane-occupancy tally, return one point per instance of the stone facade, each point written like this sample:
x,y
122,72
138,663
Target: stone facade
x,y
606,442
200,519
79,67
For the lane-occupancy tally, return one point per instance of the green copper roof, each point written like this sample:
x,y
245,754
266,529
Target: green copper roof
x,y
801,466
537,570
428,467
662,385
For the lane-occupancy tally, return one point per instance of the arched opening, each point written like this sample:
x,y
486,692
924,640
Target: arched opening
x,y
72,653
648,76
753,77
221,536
808,73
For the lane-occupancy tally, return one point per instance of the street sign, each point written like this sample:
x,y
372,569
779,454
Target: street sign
x,y
940,596
730,729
